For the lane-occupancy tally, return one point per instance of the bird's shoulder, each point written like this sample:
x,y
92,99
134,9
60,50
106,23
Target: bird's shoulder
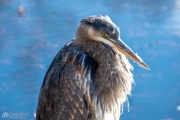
x,y
73,55
69,58
60,84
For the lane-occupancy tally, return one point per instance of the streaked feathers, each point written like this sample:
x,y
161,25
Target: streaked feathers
x,y
72,76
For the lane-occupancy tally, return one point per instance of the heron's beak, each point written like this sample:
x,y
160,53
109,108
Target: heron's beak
x,y
120,47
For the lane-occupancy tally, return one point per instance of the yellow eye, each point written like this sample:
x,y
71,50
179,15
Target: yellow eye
x,y
103,34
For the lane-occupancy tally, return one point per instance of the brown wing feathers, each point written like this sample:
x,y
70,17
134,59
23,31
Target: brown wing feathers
x,y
60,97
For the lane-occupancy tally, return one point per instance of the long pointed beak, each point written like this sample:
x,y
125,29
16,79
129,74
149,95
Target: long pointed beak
x,y
120,47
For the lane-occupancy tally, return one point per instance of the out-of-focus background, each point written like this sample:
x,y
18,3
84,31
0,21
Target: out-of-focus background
x,y
33,31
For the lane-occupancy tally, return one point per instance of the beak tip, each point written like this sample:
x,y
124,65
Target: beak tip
x,y
143,65
148,68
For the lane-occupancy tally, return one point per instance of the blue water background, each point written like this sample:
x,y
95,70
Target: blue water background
x,y
30,40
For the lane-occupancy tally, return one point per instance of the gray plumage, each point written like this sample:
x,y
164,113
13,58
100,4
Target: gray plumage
x,y
88,79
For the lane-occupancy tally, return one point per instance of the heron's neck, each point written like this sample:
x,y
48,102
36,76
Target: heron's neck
x,y
113,71
112,79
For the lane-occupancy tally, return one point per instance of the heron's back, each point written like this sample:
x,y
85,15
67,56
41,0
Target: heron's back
x,y
61,96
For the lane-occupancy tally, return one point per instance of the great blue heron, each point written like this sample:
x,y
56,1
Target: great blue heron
x,y
90,77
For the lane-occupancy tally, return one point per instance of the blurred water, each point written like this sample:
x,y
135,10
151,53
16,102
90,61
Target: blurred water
x,y
30,40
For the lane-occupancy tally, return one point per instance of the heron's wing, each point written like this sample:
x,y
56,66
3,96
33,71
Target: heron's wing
x,y
62,96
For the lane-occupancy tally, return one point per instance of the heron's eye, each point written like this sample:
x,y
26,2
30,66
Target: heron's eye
x,y
103,34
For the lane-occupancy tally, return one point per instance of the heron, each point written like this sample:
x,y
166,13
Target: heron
x,y
90,77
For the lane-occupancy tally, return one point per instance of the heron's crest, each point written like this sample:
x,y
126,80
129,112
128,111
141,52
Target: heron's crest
x,y
102,23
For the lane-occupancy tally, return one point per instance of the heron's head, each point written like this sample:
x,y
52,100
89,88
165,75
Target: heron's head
x,y
101,28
